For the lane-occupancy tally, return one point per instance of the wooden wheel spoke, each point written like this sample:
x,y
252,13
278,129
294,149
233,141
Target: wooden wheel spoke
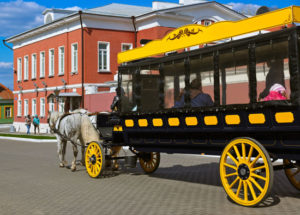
x,y
230,166
256,184
233,159
296,173
233,183
243,151
251,190
255,160
258,176
250,153
237,152
245,191
239,188
231,174
257,168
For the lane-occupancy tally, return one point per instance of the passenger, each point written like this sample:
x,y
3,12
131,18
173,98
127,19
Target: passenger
x,y
275,75
277,92
198,97
125,103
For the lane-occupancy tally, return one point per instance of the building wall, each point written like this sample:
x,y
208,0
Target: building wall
x,y
3,118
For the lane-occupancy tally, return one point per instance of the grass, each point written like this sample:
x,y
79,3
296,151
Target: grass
x,y
28,136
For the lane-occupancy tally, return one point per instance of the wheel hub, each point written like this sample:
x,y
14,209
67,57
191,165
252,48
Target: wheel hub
x,y
93,159
243,171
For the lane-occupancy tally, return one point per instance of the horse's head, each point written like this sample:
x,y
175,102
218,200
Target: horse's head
x,y
52,119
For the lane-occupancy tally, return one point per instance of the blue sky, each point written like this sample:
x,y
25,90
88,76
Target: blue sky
x,y
17,16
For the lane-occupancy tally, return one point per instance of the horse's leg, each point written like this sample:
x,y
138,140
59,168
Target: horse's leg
x,y
60,151
115,151
82,152
75,152
64,149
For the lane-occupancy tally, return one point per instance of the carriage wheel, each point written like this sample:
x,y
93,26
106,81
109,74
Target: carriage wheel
x,y
94,159
149,161
293,174
246,171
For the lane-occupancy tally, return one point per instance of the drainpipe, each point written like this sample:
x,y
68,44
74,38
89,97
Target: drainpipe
x,y
7,45
135,32
82,60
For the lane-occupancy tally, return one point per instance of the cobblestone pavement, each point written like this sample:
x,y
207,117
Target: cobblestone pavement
x,y
32,183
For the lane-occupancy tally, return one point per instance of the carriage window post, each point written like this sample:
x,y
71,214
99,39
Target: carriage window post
x,y
161,86
294,66
187,68
223,79
216,78
252,73
118,92
137,88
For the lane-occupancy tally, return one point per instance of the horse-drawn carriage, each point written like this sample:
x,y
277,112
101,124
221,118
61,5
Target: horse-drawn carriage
x,y
251,135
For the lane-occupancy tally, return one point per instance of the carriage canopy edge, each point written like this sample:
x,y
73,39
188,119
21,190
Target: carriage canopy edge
x,y
194,34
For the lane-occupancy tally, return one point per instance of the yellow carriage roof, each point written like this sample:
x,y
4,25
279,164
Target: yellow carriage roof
x,y
194,34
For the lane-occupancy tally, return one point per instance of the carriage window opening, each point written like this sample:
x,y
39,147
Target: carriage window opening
x,y
202,82
234,80
126,92
174,84
272,72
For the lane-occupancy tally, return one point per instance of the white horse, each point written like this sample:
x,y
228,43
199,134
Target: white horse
x,y
73,127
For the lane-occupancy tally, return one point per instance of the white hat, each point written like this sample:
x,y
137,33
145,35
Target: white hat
x,y
277,88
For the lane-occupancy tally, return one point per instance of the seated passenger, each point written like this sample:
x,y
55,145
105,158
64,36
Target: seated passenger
x,y
198,98
125,103
277,92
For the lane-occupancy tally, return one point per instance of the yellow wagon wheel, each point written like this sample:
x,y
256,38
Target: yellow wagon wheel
x,y
149,161
94,159
246,171
293,174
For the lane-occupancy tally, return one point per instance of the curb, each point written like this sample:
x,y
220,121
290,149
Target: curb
x,y
29,139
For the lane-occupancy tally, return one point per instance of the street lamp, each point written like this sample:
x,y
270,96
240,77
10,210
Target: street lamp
x,y
56,93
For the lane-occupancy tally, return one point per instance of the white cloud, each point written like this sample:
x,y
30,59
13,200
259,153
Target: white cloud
x,y
19,16
248,9
6,65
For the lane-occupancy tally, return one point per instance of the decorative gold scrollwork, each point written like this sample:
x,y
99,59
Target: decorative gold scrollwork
x,y
185,32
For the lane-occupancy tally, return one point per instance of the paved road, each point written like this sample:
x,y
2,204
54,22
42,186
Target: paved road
x,y
32,183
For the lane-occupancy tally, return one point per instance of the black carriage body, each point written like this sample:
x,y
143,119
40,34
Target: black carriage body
x,y
275,124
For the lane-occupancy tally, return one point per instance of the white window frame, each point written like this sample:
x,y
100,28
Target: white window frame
x,y
61,60
107,58
26,107
33,107
74,68
33,66
61,105
26,67
126,44
51,105
42,64
19,69
19,107
42,107
51,67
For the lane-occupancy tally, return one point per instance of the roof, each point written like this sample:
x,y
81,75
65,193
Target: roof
x,y
121,10
5,93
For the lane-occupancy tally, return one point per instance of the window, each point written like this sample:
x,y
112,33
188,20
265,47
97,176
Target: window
x,y
25,107
26,68
51,62
103,56
126,46
61,60
207,22
42,64
8,112
74,58
42,107
33,107
61,107
51,104
33,66
19,68
19,107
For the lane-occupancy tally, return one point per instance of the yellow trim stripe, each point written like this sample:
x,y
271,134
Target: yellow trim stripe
x,y
232,119
143,122
157,122
173,121
257,118
191,121
191,35
284,117
129,123
210,120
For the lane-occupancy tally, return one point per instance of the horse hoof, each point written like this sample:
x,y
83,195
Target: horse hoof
x,y
61,165
73,169
115,167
